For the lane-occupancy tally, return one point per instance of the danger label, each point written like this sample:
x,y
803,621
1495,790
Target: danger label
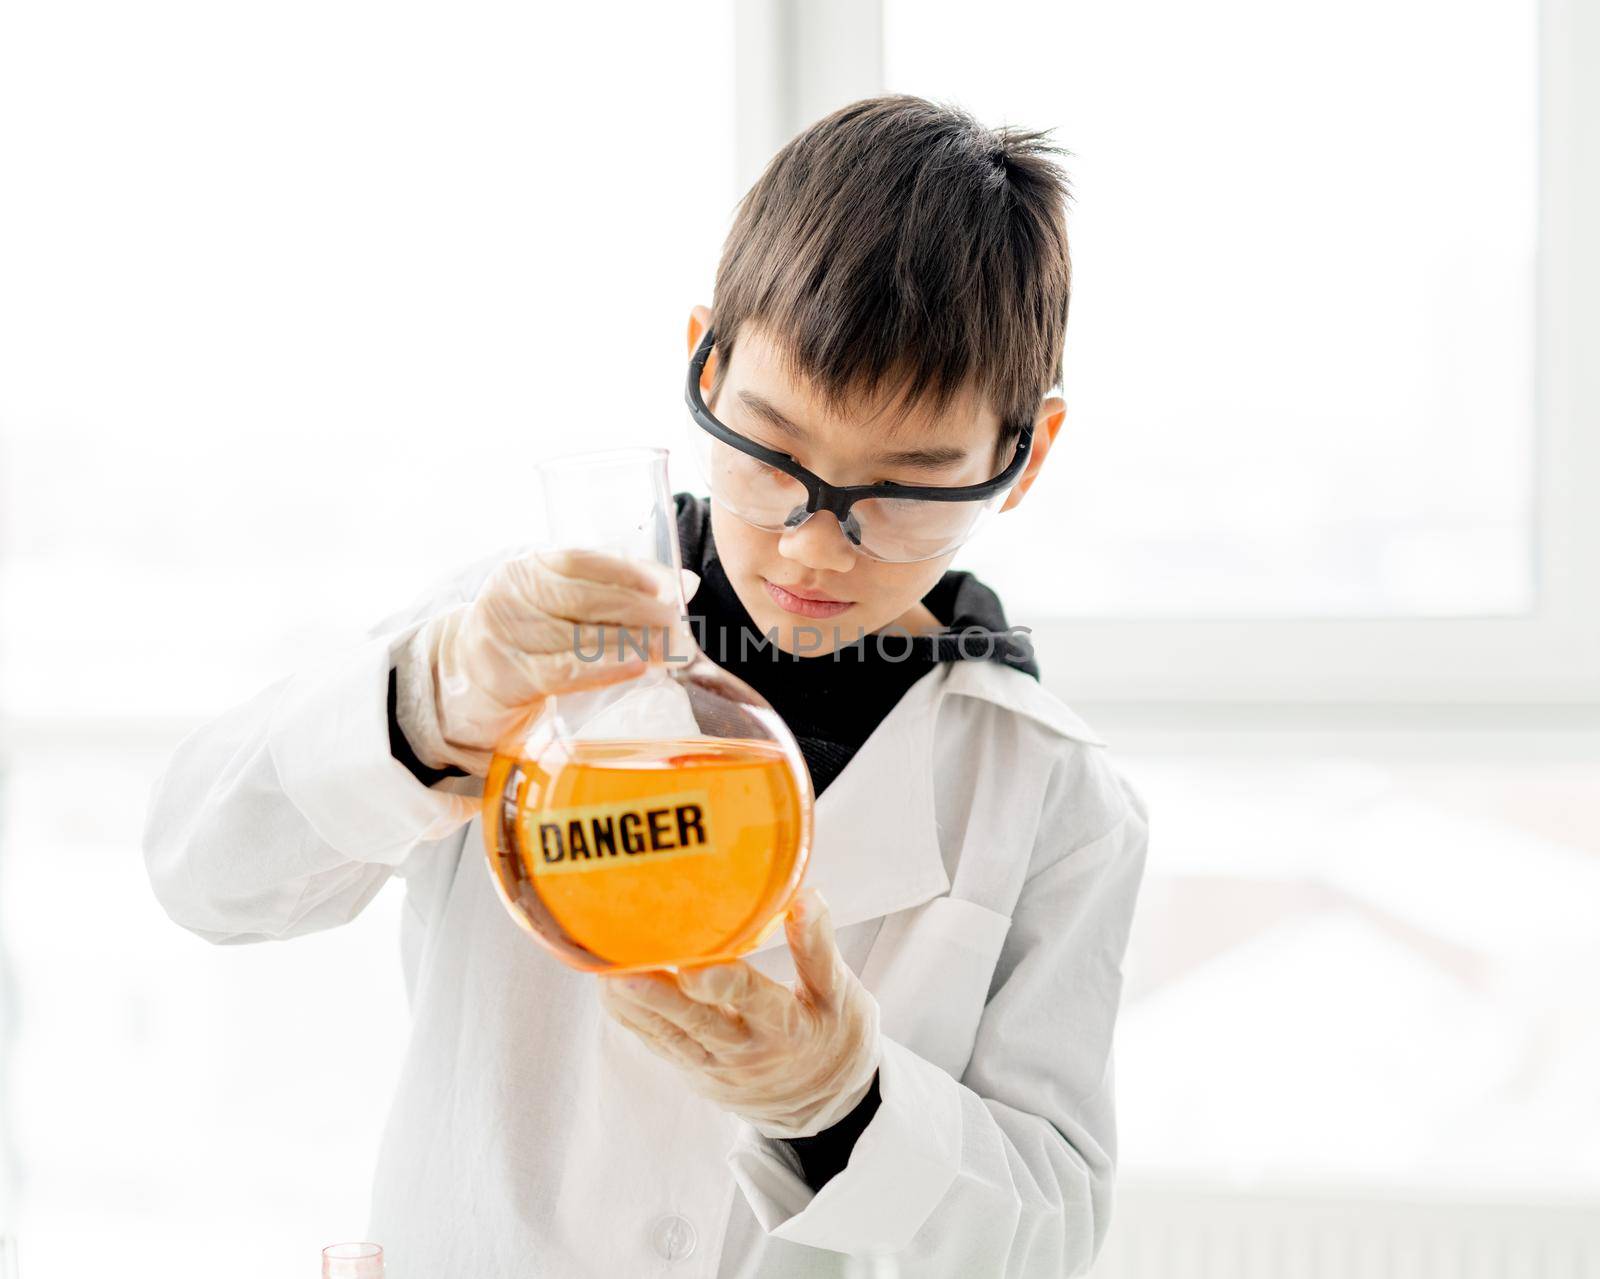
x,y
601,836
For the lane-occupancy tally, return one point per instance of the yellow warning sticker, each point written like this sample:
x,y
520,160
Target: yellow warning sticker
x,y
601,836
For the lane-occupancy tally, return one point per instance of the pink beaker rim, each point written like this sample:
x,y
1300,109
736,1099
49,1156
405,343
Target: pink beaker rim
x,y
352,1261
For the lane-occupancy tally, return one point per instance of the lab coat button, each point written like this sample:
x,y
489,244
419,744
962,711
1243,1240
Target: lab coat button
x,y
673,1237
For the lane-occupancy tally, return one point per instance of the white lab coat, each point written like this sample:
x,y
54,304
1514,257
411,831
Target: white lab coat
x,y
981,859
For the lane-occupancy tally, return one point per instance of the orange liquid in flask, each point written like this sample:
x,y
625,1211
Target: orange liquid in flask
x,y
632,854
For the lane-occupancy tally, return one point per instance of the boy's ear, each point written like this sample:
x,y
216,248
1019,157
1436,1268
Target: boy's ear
x,y
699,322
1052,413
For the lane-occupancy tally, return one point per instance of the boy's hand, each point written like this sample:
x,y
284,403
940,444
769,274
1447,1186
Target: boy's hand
x,y
791,1062
496,659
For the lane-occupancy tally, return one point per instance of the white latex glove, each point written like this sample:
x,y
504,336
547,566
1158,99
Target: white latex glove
x,y
493,662
790,1062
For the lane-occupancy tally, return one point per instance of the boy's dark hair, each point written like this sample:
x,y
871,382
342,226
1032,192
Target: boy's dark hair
x,y
898,241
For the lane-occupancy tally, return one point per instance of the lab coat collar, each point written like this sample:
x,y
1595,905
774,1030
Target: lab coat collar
x,y
875,842
1001,684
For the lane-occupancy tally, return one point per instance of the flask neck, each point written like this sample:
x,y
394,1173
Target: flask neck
x,y
619,501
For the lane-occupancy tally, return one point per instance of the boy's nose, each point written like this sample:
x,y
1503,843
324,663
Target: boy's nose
x,y
818,542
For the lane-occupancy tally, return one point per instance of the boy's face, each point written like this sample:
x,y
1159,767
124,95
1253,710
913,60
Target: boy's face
x,y
767,569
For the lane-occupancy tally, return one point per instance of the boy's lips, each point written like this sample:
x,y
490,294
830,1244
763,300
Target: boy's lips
x,y
805,605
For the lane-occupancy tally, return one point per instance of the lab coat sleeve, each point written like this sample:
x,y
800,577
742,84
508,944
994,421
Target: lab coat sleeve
x,y
1007,1172
286,814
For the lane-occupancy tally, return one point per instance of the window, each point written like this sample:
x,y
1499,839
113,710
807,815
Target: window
x,y
1287,493
289,298
1300,376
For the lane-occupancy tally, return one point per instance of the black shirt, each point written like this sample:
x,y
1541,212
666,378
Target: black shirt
x,y
830,701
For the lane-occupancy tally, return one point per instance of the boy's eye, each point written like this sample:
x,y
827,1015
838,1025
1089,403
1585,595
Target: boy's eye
x,y
763,471
756,471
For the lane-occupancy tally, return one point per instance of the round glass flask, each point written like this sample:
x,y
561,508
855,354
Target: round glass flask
x,y
657,821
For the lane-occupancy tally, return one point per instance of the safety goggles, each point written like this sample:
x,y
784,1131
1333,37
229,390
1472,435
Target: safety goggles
x,y
895,523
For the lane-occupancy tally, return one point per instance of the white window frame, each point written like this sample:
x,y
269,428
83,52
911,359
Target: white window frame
x,y
799,59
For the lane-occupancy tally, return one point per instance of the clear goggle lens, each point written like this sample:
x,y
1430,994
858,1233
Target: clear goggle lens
x,y
897,530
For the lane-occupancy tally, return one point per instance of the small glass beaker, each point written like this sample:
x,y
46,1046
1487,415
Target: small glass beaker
x,y
661,820
352,1261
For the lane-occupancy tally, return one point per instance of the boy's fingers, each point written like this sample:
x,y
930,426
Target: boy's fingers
x,y
543,596
752,995
599,566
809,929
716,983
600,654
657,1033
659,993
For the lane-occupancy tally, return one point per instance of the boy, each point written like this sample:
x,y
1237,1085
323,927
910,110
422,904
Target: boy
x,y
924,1069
